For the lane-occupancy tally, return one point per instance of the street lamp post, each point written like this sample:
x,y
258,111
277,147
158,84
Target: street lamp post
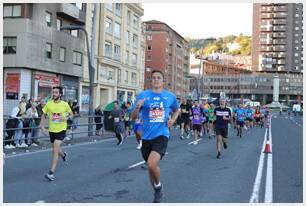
x,y
91,75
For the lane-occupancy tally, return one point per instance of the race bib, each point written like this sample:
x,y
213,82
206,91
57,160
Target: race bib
x,y
196,116
157,115
56,118
183,110
116,119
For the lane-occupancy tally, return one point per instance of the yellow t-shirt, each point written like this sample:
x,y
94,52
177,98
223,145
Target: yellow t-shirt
x,y
55,112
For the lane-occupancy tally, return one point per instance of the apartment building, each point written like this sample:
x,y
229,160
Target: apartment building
x,y
167,51
37,55
119,53
277,37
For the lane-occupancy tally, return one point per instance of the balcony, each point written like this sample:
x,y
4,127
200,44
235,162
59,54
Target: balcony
x,y
266,48
281,55
71,12
266,16
279,48
281,68
279,28
266,9
279,22
279,41
279,35
280,15
280,9
281,61
265,28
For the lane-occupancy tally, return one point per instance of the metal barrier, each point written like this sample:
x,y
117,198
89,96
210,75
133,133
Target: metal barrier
x,y
38,129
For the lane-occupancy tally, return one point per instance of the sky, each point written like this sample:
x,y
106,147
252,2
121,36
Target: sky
x,y
202,20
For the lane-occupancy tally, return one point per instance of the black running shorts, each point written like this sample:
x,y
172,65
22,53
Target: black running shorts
x,y
185,119
222,131
197,127
158,145
240,123
57,135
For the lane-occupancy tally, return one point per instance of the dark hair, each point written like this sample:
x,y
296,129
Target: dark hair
x,y
116,102
157,71
59,88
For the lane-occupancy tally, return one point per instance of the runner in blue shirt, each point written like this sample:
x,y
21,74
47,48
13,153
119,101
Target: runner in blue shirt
x,y
249,117
155,106
240,116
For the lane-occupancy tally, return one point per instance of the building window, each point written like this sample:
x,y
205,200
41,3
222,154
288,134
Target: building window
x,y
149,58
149,47
109,26
135,40
135,21
127,57
74,33
117,52
118,9
149,37
128,18
117,30
110,74
109,6
119,75
108,49
62,54
48,18
296,54
49,50
127,37
59,23
134,77
12,11
134,59
297,15
126,79
297,28
9,45
77,58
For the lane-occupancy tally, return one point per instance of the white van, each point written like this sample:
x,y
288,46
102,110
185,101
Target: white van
x,y
253,104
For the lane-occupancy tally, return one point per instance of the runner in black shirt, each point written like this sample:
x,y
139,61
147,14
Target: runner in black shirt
x,y
223,115
185,119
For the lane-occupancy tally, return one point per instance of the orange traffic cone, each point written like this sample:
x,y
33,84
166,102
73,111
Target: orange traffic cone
x,y
267,148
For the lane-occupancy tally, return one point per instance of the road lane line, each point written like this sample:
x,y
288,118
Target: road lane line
x,y
256,187
195,141
64,147
269,175
137,164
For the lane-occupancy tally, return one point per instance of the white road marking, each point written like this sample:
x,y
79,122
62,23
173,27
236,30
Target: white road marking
x,y
49,149
40,201
137,164
269,176
256,187
195,141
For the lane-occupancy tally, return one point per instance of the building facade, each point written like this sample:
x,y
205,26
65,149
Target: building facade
x,y
119,53
37,55
277,41
168,51
238,83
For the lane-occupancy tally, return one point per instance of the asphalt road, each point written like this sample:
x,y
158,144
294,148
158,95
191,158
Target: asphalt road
x,y
103,172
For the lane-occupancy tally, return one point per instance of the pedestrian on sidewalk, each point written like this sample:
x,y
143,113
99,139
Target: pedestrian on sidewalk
x,y
98,119
154,105
117,114
58,111
223,115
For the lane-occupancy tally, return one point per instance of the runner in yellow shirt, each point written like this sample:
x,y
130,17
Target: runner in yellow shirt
x,y
57,112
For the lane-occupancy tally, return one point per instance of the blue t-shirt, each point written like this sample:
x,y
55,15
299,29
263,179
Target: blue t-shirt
x,y
249,113
240,114
155,112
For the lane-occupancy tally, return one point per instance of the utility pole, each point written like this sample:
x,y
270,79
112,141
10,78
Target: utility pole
x,y
92,71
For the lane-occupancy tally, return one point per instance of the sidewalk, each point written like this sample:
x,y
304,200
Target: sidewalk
x,y
77,138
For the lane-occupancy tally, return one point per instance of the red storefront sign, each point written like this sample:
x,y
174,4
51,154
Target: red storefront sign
x,y
47,80
12,85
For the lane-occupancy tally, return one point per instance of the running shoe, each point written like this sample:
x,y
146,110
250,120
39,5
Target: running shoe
x,y
50,176
65,158
139,146
218,155
158,194
224,145
181,137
